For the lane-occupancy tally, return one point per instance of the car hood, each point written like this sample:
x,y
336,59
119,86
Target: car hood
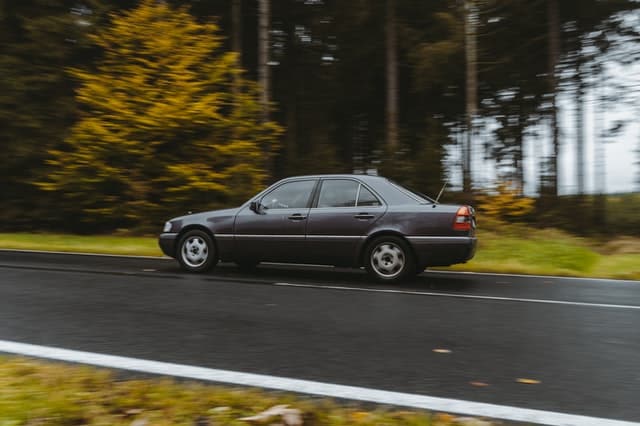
x,y
203,217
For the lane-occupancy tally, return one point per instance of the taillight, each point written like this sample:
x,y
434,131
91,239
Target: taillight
x,y
463,220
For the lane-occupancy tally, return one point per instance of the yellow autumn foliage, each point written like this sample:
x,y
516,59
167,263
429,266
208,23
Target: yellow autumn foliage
x,y
504,202
167,122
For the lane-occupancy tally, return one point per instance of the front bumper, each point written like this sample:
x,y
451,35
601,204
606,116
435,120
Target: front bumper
x,y
443,251
167,242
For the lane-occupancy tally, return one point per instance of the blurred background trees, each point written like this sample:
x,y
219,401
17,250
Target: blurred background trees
x,y
121,126
165,120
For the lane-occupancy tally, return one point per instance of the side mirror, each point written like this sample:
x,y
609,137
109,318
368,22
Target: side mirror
x,y
256,207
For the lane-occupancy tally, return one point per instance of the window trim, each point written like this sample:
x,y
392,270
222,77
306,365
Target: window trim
x,y
371,192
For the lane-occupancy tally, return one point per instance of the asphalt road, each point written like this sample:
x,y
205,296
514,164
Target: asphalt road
x,y
579,339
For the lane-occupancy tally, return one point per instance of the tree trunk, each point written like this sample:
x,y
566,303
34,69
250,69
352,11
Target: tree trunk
x,y
580,136
471,89
236,37
392,79
236,46
554,53
599,152
263,55
518,155
638,151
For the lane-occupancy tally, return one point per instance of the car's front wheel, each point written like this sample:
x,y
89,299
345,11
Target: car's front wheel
x,y
196,251
389,258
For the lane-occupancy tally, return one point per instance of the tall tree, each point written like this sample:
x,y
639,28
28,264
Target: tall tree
x,y
512,92
160,123
471,18
553,36
392,78
236,37
263,54
38,40
580,130
590,29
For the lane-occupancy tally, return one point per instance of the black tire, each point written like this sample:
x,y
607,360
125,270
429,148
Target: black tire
x,y
389,259
196,251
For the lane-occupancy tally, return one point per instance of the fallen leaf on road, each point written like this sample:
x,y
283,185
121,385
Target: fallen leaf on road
x,y
443,418
442,351
288,416
529,381
359,416
478,384
470,421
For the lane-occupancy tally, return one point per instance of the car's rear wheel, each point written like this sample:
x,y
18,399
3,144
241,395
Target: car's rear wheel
x,y
196,251
389,259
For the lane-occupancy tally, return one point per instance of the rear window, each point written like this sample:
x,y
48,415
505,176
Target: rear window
x,y
416,197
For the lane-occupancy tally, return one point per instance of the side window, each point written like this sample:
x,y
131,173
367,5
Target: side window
x,y
291,195
338,193
366,198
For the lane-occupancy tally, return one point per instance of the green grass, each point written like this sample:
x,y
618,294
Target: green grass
x,y
142,246
502,248
522,250
47,393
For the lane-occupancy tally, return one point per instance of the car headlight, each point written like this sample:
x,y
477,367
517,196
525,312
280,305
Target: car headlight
x,y
167,227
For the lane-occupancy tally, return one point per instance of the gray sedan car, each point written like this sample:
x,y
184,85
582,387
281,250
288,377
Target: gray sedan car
x,y
342,220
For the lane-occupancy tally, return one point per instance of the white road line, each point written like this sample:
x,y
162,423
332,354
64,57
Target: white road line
x,y
310,387
460,296
496,274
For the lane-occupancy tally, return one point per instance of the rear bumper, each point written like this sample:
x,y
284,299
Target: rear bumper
x,y
167,242
443,251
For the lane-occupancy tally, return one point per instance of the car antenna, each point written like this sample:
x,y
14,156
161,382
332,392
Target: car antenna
x,y
442,190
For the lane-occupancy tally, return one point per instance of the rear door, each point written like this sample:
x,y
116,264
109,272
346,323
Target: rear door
x,y
340,217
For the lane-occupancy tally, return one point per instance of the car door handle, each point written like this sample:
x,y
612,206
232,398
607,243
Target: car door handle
x,y
297,216
363,216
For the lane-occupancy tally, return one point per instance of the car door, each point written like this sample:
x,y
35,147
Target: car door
x,y
340,219
276,232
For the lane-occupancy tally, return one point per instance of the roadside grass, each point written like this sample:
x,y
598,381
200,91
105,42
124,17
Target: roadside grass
x,y
140,246
503,248
48,393
518,249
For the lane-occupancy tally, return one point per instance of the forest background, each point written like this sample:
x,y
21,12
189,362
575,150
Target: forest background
x,y
118,115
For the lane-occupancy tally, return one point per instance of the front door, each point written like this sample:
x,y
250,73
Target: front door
x,y
276,233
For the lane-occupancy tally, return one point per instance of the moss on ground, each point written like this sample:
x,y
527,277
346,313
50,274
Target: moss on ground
x,y
48,393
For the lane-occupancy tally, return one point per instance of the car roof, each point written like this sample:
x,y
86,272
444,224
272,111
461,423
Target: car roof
x,y
332,176
391,193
